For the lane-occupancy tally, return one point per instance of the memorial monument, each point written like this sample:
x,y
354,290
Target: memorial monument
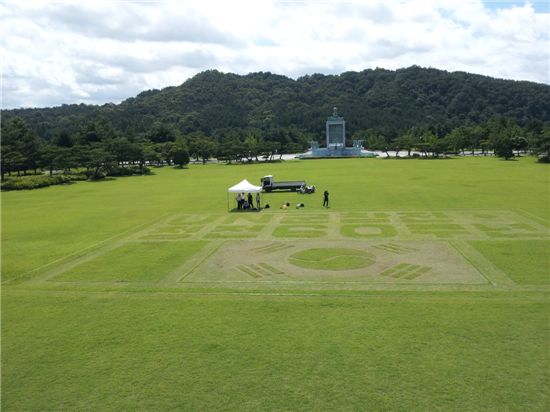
x,y
335,130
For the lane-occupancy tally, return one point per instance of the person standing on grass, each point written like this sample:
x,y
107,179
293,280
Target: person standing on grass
x,y
250,202
239,202
258,200
325,199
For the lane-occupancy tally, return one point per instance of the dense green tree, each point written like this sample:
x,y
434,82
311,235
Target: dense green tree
x,y
519,144
268,149
80,155
459,139
121,149
53,157
99,161
201,146
540,144
161,132
476,135
376,142
165,151
229,150
251,147
189,123
63,139
485,146
150,154
96,131
438,146
502,132
504,147
12,161
180,153
429,143
405,142
20,146
206,149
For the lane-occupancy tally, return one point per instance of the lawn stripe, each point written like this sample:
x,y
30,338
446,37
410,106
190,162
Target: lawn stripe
x,y
271,268
275,247
485,268
394,248
207,251
248,271
259,269
531,216
91,247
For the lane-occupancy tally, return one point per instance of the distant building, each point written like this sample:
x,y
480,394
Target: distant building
x,y
336,141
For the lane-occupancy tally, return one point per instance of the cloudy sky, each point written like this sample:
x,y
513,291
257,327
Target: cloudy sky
x,y
105,51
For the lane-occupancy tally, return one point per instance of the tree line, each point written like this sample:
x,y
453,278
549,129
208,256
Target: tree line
x,y
101,149
499,136
264,115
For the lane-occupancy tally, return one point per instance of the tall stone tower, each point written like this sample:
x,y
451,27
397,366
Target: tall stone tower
x,y
336,130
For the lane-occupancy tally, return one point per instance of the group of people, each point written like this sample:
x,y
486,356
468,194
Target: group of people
x,y
306,189
246,202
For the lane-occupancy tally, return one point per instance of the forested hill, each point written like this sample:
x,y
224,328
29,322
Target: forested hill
x,y
387,102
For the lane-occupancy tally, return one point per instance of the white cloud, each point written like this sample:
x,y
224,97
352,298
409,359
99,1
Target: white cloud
x,y
96,52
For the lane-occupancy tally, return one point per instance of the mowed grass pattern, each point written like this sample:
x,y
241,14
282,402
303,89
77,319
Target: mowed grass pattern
x,y
525,262
70,343
143,261
44,225
331,259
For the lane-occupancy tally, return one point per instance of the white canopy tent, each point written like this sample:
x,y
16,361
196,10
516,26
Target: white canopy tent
x,y
243,187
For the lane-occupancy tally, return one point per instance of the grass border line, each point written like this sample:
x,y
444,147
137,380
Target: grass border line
x,y
86,249
213,250
524,213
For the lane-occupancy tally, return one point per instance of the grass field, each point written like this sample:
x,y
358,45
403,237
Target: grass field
x,y
424,286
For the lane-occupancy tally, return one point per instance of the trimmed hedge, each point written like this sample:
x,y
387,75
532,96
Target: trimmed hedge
x,y
128,170
37,181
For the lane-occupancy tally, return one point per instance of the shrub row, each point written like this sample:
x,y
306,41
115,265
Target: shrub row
x,y
127,170
37,181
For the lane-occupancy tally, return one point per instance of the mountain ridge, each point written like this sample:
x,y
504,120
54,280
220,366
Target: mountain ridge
x,y
388,101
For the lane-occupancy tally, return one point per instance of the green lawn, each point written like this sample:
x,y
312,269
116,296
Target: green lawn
x,y
525,262
83,214
134,262
151,336
161,351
